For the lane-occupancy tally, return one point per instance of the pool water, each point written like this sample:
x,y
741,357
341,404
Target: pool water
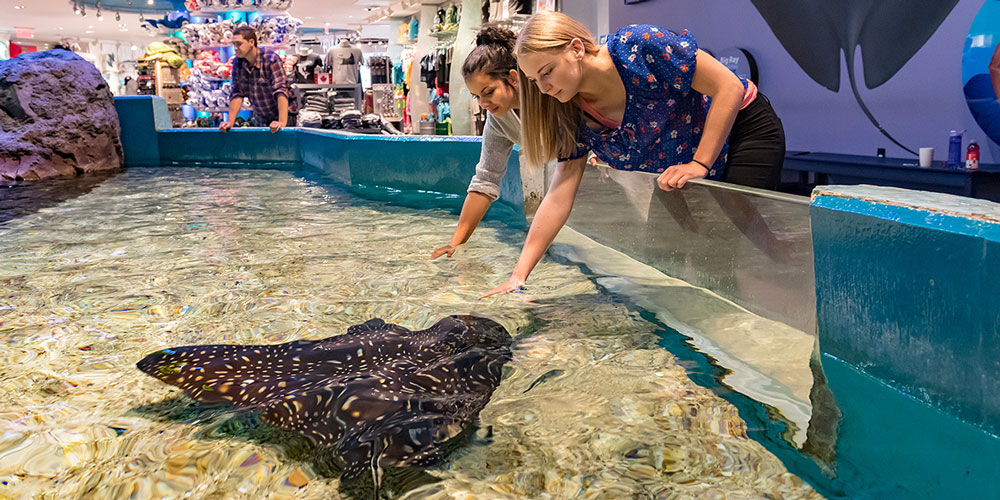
x,y
591,406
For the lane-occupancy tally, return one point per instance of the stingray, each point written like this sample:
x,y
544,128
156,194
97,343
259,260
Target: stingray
x,y
889,32
377,395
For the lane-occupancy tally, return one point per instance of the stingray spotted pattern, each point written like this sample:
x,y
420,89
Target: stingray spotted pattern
x,y
379,394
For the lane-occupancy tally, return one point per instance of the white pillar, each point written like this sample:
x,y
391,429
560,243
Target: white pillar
x,y
419,95
460,98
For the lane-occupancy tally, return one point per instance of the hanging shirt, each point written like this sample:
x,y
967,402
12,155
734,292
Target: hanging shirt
x,y
397,72
344,62
305,68
408,71
442,70
664,117
428,70
414,26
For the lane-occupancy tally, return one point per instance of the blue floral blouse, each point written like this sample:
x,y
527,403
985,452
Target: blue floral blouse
x,y
664,117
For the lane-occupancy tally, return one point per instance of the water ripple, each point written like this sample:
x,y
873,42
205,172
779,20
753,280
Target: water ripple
x,y
588,408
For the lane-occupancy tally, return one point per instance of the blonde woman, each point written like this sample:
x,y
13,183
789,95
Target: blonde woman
x,y
490,73
648,101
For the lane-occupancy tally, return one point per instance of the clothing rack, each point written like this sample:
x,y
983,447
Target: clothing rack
x,y
379,67
435,67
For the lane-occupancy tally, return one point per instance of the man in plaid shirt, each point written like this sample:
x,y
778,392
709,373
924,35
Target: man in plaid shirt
x,y
258,75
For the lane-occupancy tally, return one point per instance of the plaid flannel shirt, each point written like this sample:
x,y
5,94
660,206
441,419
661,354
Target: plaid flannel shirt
x,y
261,83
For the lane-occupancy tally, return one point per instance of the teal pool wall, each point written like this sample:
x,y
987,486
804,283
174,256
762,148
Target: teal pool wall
x,y
434,171
907,284
891,445
141,119
190,146
909,290
905,300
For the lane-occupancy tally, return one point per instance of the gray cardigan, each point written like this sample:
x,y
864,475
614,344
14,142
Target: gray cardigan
x,y
500,134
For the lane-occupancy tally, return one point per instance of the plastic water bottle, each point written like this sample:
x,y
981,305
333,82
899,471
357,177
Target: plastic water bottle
x,y
954,149
972,156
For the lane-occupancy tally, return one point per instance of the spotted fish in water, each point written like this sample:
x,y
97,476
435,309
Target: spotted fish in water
x,y
378,395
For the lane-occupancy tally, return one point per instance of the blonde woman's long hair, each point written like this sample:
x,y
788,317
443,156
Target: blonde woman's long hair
x,y
548,127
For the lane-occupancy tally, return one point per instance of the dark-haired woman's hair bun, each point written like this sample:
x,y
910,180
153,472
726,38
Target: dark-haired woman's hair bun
x,y
493,54
495,35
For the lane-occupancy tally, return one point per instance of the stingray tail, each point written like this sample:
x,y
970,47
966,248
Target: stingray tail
x,y
854,88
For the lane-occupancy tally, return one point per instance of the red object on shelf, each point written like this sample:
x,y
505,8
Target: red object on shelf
x,y
17,49
324,78
972,156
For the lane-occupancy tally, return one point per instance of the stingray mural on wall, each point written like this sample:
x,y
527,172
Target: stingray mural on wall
x,y
889,32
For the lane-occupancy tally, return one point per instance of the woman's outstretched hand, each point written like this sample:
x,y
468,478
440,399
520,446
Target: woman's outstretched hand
x,y
512,285
448,250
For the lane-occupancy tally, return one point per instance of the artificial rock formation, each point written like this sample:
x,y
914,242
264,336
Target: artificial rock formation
x,y
57,118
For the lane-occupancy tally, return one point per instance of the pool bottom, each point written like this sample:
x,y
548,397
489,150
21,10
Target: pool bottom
x,y
590,404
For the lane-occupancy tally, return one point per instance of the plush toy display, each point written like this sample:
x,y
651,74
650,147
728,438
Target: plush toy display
x,y
208,95
209,65
223,5
208,87
278,30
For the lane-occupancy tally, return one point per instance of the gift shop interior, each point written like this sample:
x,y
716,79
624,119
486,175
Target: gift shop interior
x,y
369,66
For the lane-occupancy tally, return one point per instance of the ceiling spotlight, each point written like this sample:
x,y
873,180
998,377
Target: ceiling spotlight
x,y
141,19
99,16
150,2
118,16
18,7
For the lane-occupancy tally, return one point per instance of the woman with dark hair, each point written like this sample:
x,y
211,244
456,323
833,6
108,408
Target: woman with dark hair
x,y
490,73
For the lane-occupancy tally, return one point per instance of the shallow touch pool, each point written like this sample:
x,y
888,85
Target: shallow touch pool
x,y
158,258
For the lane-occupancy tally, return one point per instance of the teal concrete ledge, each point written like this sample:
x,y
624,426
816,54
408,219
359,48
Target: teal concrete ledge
x,y
907,289
141,117
406,163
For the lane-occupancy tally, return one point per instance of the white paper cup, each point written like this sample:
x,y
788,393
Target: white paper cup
x,y
926,157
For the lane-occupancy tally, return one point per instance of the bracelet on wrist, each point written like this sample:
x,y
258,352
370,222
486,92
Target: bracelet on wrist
x,y
700,163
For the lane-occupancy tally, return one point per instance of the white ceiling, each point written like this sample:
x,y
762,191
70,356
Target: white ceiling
x,y
50,20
